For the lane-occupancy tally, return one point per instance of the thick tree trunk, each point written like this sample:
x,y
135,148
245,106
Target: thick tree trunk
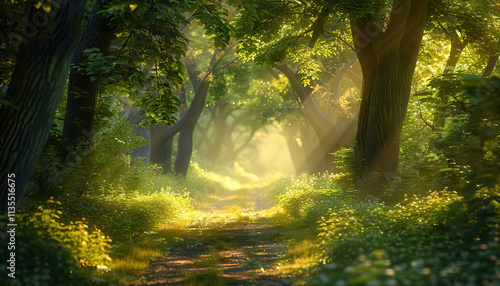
x,y
82,91
134,118
36,87
144,152
388,60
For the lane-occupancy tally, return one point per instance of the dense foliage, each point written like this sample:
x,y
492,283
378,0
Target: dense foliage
x,y
435,239
51,248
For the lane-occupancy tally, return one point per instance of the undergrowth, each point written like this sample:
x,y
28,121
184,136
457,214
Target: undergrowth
x,y
51,252
437,238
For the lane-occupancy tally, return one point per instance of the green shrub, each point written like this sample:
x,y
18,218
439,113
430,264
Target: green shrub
x,y
307,199
125,215
439,239
49,252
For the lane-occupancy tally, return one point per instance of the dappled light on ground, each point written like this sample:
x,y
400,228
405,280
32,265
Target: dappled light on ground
x,y
228,241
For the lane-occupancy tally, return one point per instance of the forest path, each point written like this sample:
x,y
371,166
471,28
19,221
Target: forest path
x,y
229,243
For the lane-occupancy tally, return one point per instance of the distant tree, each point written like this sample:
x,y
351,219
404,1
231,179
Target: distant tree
x,y
333,132
163,135
242,101
143,60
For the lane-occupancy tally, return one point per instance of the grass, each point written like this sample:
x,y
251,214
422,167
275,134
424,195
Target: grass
x,y
208,277
130,258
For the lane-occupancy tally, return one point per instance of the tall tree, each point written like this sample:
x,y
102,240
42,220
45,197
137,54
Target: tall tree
x,y
35,89
187,123
388,56
386,36
200,83
83,89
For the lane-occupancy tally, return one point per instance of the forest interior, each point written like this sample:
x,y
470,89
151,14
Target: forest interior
x,y
250,142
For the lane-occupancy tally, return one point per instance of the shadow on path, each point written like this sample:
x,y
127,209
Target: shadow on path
x,y
231,252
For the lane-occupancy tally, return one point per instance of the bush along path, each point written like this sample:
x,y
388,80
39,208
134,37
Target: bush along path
x,y
229,243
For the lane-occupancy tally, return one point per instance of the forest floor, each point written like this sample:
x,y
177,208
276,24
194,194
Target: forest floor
x,y
229,242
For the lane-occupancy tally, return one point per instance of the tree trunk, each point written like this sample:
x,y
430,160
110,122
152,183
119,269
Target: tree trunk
x,y
185,140
36,87
219,133
196,107
329,132
308,148
184,150
187,123
440,116
82,91
161,153
134,118
490,66
296,152
145,151
388,60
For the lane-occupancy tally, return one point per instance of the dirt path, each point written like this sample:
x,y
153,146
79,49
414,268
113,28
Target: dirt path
x,y
233,251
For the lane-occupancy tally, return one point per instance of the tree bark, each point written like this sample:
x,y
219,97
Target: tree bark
x,y
185,140
219,132
196,107
82,91
161,154
296,152
388,60
184,150
36,87
134,118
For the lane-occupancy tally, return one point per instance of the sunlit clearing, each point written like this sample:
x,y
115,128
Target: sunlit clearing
x,y
270,158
